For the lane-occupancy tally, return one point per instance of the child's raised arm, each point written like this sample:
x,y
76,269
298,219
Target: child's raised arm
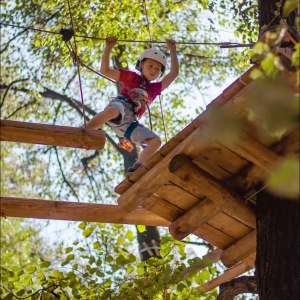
x,y
105,69
174,69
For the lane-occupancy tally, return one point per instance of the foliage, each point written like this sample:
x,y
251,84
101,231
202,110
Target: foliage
x,y
279,111
17,238
34,62
46,94
109,271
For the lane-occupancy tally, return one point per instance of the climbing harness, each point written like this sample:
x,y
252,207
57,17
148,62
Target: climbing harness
x,y
140,95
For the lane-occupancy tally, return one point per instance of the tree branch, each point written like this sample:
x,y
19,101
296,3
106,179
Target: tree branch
x,y
8,87
239,285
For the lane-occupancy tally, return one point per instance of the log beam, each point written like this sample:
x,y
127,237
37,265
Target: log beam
x,y
53,135
226,276
237,252
193,219
76,211
229,201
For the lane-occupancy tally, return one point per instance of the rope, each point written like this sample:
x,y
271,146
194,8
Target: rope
x,y
78,66
160,101
221,44
148,23
249,198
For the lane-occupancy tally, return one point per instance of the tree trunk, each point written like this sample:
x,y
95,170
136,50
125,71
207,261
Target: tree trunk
x,y
277,262
267,16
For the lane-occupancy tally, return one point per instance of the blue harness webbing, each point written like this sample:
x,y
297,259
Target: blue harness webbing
x,y
130,128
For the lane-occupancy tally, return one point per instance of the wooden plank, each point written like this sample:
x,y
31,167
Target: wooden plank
x,y
229,225
226,276
210,167
76,211
181,136
230,202
234,88
177,196
214,236
251,175
53,135
240,250
193,218
223,158
252,150
162,208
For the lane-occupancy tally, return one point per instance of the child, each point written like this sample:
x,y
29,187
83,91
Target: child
x,y
124,111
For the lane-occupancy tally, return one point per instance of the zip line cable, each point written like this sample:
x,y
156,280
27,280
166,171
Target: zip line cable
x,y
221,44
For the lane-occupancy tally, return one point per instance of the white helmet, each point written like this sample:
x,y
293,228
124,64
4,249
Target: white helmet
x,y
155,55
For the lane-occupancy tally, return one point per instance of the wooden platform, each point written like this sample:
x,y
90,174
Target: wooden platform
x,y
33,133
202,183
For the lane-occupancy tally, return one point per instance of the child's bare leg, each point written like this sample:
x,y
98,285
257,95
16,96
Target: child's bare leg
x,y
153,145
102,117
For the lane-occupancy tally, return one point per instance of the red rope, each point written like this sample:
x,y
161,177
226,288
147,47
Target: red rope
x,y
78,67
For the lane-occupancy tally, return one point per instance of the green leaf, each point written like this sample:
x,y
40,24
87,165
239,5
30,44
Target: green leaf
x,y
27,280
68,249
141,228
129,269
82,225
97,245
205,274
70,257
120,260
92,259
30,269
41,278
289,6
20,292
45,264
57,274
284,179
130,235
88,231
120,240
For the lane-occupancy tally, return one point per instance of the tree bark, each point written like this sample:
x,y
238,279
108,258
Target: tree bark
x,y
277,262
244,284
270,14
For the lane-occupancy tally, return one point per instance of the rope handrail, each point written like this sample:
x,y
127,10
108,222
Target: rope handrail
x,y
221,44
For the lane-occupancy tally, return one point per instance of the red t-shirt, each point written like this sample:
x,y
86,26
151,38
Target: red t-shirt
x,y
133,80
